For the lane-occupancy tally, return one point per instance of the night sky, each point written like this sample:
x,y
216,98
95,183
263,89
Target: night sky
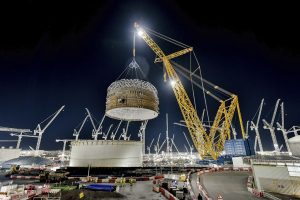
x,y
54,54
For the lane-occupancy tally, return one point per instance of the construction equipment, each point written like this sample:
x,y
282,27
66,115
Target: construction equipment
x,y
50,176
39,130
64,147
105,135
190,146
206,143
76,133
114,133
16,132
271,128
149,147
142,134
255,127
283,130
125,131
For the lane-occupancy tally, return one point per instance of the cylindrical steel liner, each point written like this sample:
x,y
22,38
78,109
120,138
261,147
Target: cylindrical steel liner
x,y
132,100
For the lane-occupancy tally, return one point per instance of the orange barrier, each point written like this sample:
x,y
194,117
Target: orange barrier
x,y
25,177
167,194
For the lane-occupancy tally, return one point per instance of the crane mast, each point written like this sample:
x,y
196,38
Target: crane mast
x,y
255,126
204,142
188,111
271,128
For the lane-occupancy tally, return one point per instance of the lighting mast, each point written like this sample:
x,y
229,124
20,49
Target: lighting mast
x,y
167,135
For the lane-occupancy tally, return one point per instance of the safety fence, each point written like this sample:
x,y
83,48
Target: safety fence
x,y
113,179
191,192
258,193
201,188
17,192
25,177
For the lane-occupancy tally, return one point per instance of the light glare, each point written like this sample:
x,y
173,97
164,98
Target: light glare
x,y
140,32
173,83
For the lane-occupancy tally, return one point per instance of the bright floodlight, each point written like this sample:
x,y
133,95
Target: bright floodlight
x,y
173,83
140,32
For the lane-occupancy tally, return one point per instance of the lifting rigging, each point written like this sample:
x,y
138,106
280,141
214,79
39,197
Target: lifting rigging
x,y
209,143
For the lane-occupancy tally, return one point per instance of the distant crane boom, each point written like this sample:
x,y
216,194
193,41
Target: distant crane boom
x,y
76,133
39,130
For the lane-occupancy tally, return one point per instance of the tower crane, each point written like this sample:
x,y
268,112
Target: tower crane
x,y
15,130
271,128
114,133
205,143
105,135
149,147
281,128
64,147
190,146
20,136
172,140
254,127
124,133
247,128
95,131
141,134
76,133
39,130
156,147
295,129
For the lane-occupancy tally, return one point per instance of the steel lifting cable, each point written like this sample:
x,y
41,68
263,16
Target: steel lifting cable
x,y
204,96
255,113
164,37
47,118
78,125
191,79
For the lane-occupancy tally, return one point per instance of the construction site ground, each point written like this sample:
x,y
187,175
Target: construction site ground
x,y
139,190
230,185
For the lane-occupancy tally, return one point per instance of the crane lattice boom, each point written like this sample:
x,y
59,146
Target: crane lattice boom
x,y
205,143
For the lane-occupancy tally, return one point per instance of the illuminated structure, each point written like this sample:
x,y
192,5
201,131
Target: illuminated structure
x,y
132,100
106,153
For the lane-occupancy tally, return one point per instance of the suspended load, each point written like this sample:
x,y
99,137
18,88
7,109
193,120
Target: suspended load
x,y
132,100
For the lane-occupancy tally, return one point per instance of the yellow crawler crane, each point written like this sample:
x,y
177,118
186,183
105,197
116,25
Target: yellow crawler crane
x,y
211,143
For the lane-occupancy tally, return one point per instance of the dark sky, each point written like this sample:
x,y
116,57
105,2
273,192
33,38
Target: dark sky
x,y
68,53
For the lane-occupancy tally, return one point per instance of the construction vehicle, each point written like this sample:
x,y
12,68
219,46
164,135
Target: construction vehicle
x,y
51,176
14,169
207,143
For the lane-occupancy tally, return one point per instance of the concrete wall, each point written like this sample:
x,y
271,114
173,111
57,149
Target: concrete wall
x,y
238,162
7,154
276,179
295,148
107,153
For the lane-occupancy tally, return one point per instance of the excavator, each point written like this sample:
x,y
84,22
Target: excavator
x,y
208,143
